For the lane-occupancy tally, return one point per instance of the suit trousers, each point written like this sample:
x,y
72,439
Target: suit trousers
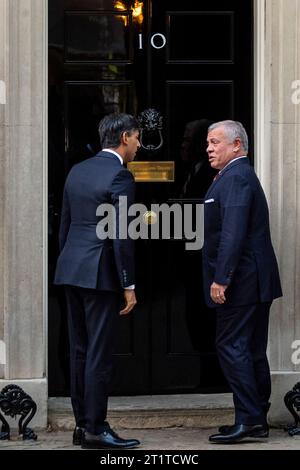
x,y
241,343
92,316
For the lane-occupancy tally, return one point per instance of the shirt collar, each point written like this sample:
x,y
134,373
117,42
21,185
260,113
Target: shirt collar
x,y
115,153
231,161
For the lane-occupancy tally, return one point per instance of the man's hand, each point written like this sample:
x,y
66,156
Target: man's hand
x,y
217,293
130,301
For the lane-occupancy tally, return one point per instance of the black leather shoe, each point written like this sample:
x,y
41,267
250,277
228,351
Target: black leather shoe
x,y
107,440
227,428
238,432
77,436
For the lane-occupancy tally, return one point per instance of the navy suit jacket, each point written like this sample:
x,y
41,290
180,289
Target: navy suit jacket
x,y
85,260
237,249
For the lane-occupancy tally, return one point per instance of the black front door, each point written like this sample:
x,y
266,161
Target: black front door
x,y
192,62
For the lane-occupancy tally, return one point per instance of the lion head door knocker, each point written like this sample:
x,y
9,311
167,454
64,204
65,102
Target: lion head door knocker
x,y
150,122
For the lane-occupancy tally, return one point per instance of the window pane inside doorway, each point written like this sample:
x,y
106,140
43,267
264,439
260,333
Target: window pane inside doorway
x,y
96,37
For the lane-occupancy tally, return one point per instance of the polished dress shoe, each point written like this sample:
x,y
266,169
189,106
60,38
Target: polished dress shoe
x,y
78,435
227,428
238,432
108,439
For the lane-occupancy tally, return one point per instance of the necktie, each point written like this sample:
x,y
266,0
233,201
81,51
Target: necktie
x,y
217,176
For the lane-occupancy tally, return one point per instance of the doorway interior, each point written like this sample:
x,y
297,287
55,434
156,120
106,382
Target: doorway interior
x,y
193,63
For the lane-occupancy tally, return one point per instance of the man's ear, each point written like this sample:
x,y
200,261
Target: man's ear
x,y
124,138
237,145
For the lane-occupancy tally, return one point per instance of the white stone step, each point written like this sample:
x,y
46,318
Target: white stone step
x,y
151,412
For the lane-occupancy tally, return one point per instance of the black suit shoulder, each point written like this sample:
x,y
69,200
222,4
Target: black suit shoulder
x,y
241,174
98,169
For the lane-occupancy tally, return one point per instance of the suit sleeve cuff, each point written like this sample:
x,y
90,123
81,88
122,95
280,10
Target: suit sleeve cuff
x,y
132,287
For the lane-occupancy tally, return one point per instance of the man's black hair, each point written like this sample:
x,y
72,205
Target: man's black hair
x,y
112,126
